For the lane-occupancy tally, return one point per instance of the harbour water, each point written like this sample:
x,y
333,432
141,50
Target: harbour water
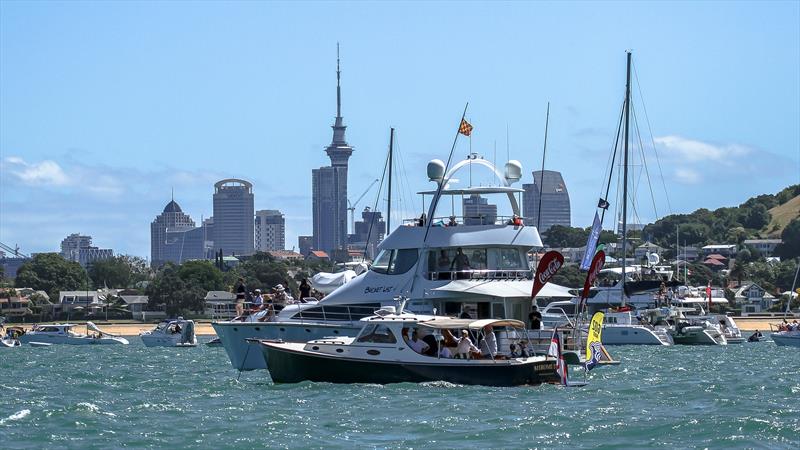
x,y
130,396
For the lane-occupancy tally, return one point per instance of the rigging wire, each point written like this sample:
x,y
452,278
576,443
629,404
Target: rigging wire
x,y
644,162
652,139
374,209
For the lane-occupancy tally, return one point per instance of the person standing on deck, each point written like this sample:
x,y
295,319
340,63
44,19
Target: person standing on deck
x,y
241,293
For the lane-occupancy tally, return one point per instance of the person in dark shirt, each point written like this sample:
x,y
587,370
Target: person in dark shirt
x,y
535,318
305,289
241,294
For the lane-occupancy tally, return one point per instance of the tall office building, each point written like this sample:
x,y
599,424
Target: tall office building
x,y
305,244
329,185
174,237
369,231
478,211
270,227
78,248
554,199
233,217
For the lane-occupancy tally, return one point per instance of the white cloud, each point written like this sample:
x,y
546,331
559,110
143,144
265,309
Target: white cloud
x,y
687,176
45,172
677,147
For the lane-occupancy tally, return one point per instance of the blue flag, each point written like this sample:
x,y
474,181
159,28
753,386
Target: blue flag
x,y
591,243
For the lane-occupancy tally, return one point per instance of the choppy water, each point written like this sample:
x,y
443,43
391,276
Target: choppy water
x,y
130,396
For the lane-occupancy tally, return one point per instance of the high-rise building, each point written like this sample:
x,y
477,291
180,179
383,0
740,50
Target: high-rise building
x,y
478,211
233,217
329,185
78,248
369,231
305,244
270,227
554,200
174,237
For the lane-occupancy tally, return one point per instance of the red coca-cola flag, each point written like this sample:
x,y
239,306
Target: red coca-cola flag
x,y
548,266
594,268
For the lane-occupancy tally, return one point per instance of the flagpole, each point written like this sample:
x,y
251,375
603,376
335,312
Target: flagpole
x,y
435,201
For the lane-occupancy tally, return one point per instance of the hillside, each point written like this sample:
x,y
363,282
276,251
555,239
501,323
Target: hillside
x,y
781,215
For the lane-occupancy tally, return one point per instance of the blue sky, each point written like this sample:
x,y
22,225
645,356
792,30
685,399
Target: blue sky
x,y
107,106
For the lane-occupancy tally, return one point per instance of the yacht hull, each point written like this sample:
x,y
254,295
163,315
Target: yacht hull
x,y
291,366
246,356
166,341
49,339
785,340
633,335
698,337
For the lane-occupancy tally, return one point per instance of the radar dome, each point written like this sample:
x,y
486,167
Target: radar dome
x,y
513,170
436,170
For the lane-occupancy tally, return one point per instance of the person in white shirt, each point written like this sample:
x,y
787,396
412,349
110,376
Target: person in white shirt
x,y
489,345
465,346
417,344
258,300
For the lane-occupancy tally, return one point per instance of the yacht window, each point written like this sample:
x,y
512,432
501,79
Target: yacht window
x,y
395,262
505,258
381,263
403,260
377,333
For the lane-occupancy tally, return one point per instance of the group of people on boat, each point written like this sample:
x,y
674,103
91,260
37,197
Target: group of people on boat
x,y
786,326
278,297
466,346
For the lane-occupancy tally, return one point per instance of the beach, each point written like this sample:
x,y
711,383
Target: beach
x,y
204,328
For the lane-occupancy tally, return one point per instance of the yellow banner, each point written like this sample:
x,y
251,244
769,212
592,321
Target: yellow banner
x,y
595,328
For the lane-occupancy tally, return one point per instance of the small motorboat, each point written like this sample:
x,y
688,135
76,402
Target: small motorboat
x,y
63,334
11,337
171,333
382,353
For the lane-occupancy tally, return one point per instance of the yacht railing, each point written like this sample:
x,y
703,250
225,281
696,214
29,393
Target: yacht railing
x,y
463,220
335,313
482,274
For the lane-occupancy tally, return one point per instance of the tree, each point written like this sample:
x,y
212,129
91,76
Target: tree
x,y
51,273
756,217
569,275
112,272
790,248
739,271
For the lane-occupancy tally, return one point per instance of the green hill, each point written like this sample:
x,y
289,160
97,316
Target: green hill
x,y
781,215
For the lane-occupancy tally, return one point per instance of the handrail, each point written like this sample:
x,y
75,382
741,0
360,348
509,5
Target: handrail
x,y
460,220
481,274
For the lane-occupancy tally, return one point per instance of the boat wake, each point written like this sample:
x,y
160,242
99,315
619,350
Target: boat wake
x,y
16,416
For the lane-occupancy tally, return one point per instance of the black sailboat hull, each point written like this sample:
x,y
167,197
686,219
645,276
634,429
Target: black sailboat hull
x,y
288,366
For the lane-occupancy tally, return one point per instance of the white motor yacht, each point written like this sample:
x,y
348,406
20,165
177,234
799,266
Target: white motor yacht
x,y
63,334
636,327
471,265
9,337
171,333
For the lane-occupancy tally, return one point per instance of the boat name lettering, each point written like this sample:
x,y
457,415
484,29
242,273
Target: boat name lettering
x,y
378,289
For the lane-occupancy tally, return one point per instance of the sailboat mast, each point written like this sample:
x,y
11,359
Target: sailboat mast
x,y
625,176
389,203
541,178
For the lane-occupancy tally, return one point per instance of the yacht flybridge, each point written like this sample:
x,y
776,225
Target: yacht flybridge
x,y
472,264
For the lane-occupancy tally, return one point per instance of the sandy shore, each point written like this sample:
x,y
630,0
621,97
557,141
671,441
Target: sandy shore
x,y
204,328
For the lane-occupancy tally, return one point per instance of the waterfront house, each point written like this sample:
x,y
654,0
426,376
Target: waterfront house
x,y
15,306
220,305
764,246
726,250
317,255
285,255
647,248
753,298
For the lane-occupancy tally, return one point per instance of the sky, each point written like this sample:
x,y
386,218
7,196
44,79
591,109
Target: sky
x,y
106,108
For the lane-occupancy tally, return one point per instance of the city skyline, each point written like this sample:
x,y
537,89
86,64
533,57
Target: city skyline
x,y
96,132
